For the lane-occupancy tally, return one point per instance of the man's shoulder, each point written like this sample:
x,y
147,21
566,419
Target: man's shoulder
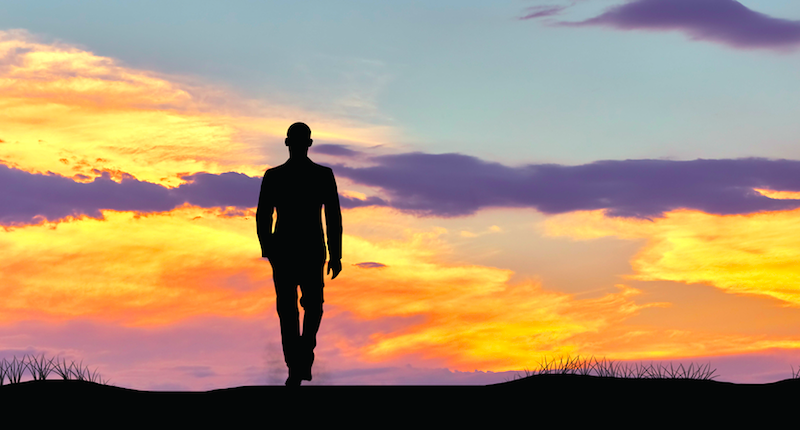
x,y
309,166
319,169
277,170
322,168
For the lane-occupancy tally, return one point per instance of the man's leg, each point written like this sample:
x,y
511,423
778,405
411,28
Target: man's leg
x,y
286,302
311,301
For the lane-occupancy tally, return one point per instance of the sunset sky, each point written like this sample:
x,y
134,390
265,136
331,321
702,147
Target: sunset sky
x,y
519,180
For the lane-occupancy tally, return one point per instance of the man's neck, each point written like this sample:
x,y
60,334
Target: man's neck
x,y
298,154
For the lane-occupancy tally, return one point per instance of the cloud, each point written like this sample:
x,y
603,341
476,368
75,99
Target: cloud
x,y
159,270
444,185
743,254
369,265
164,279
722,21
135,270
226,189
335,150
247,352
196,371
197,354
111,137
348,202
454,185
28,197
542,11
70,111
423,309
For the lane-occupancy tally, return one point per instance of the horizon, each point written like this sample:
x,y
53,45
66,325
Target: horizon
x,y
518,181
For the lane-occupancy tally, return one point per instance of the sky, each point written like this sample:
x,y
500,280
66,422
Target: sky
x,y
520,180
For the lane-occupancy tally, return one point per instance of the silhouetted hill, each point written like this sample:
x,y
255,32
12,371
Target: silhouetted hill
x,y
541,399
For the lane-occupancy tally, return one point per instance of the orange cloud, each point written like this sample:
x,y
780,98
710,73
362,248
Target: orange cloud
x,y
160,269
741,254
472,316
136,270
467,316
163,268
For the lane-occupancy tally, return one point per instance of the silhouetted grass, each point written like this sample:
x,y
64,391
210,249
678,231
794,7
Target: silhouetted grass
x,y
39,368
613,369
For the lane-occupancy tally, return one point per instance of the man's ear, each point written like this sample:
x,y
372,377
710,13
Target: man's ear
x,y
286,141
310,141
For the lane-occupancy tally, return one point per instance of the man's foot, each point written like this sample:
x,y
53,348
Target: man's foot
x,y
305,374
294,378
292,381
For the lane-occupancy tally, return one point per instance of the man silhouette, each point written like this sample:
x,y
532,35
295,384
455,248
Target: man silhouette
x,y
297,190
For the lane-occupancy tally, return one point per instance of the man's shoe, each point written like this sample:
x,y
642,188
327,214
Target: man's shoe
x,y
292,381
305,374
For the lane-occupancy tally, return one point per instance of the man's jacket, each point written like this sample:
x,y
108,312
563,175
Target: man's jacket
x,y
298,190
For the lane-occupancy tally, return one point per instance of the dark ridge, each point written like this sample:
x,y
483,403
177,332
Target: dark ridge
x,y
535,400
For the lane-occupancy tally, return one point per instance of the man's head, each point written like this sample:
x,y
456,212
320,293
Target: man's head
x,y
298,135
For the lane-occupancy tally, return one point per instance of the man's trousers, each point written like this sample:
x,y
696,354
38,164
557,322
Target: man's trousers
x,y
298,350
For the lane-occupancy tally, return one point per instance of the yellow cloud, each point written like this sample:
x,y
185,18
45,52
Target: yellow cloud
x,y
69,111
778,195
742,254
353,194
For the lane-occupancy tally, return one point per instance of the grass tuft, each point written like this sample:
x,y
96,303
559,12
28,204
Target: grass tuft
x,y
14,369
611,369
39,368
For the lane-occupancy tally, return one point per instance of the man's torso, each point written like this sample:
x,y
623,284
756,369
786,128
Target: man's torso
x,y
298,191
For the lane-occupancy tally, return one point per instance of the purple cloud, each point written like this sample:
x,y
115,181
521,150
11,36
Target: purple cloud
x,y
27,198
336,150
454,185
723,21
241,191
369,265
444,185
542,11
196,371
226,189
349,202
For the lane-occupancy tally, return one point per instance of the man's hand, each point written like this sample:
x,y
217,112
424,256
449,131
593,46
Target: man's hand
x,y
336,266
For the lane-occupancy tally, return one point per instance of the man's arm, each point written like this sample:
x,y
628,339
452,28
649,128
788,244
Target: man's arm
x,y
333,225
266,204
